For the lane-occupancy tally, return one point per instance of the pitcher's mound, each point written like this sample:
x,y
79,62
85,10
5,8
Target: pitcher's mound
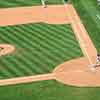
x,y
6,49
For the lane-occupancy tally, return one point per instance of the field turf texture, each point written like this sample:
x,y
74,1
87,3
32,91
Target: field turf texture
x,y
48,90
39,47
19,3
88,11
52,90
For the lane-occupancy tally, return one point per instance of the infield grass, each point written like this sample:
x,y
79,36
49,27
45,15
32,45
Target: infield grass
x,y
39,48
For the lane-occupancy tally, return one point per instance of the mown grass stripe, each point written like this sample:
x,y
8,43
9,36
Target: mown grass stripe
x,y
18,64
54,42
24,60
21,61
74,37
32,50
39,40
8,69
58,32
52,32
40,49
44,43
26,40
4,69
57,39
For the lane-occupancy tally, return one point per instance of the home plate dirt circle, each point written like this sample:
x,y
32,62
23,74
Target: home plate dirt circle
x,y
79,78
6,49
82,76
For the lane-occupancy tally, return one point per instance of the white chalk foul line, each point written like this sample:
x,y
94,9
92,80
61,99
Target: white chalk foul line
x,y
80,40
26,79
83,44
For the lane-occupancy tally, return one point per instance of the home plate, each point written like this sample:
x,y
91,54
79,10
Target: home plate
x,y
80,78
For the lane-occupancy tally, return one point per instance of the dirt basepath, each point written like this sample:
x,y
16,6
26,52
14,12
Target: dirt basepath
x,y
74,72
85,42
27,79
24,15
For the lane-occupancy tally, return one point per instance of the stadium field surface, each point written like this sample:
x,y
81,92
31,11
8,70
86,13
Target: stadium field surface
x,y
89,13
47,90
19,3
39,47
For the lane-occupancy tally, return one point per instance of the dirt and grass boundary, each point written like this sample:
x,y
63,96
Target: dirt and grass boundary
x,y
81,76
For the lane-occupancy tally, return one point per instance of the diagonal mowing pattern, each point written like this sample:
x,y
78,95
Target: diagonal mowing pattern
x,y
39,48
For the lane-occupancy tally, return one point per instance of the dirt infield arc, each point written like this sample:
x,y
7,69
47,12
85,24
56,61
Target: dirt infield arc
x,y
78,68
24,15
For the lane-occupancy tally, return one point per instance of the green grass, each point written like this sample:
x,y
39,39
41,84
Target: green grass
x,y
54,2
47,90
39,48
16,3
87,11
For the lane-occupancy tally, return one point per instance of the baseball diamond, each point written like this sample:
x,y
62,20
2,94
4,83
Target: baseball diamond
x,y
49,50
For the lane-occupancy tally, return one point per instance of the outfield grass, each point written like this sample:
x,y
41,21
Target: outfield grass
x,y
48,90
54,2
16,3
87,11
39,48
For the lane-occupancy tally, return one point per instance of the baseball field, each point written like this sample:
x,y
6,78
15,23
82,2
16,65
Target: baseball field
x,y
53,49
40,48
